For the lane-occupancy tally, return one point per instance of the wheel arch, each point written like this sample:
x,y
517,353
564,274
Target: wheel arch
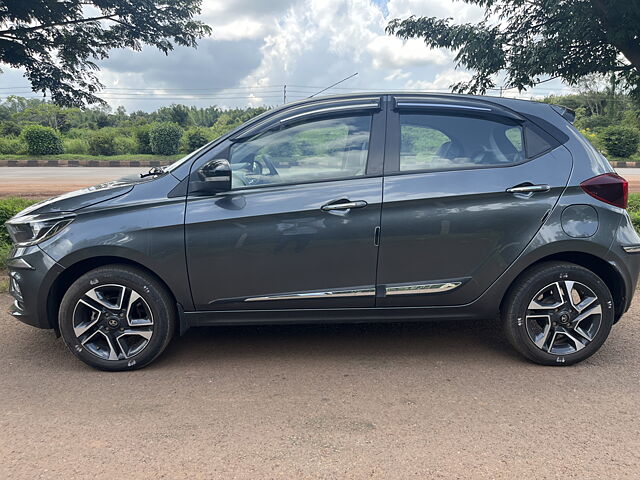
x,y
606,271
76,270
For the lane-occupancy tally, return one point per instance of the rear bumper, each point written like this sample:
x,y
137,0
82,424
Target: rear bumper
x,y
31,275
624,255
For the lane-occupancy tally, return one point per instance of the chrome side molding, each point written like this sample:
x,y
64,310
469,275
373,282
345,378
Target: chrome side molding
x,y
632,248
421,289
361,292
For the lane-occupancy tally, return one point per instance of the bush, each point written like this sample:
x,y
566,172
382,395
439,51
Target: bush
x,y
126,145
593,122
142,135
196,137
82,133
10,128
164,138
620,141
42,140
76,145
102,142
11,146
8,208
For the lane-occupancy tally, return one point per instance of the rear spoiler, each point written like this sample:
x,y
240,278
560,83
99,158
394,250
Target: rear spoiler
x,y
566,113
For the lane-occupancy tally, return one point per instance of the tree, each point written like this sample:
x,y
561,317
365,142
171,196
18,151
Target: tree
x,y
58,41
531,39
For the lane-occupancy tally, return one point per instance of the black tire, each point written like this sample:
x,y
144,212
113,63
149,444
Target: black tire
x,y
152,331
520,328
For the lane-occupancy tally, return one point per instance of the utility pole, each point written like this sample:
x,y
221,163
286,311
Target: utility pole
x,y
284,93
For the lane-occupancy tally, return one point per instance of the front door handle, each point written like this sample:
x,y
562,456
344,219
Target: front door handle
x,y
529,189
344,205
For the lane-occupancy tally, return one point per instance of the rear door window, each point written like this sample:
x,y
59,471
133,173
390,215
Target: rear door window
x,y
431,141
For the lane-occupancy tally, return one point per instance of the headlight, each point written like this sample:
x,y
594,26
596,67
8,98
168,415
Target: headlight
x,y
31,229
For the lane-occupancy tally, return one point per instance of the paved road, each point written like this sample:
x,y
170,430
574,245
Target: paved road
x,y
49,181
437,401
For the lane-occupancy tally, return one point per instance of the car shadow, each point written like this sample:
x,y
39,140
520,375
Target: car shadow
x,y
443,339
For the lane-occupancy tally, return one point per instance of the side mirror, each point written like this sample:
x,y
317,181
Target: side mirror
x,y
212,178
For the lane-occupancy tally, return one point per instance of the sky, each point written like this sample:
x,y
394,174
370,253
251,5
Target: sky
x,y
258,46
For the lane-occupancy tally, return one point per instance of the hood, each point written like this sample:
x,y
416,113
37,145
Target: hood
x,y
72,201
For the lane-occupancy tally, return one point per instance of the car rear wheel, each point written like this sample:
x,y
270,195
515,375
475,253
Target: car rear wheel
x,y
117,318
558,313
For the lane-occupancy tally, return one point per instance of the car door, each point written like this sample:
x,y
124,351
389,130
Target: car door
x,y
467,186
297,229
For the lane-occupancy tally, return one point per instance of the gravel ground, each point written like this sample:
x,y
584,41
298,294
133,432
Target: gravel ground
x,y
403,401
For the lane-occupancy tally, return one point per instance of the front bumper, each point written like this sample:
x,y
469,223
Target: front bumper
x,y
31,275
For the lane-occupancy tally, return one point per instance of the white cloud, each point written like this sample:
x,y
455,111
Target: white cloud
x,y
441,82
306,44
392,52
456,9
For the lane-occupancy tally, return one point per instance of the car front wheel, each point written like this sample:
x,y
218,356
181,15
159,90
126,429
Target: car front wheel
x,y
117,317
558,313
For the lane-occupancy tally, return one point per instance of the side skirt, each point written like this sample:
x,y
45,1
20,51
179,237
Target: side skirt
x,y
350,315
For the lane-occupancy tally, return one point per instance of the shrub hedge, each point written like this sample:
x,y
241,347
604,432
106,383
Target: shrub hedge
x,y
620,141
196,137
8,208
12,146
42,140
164,138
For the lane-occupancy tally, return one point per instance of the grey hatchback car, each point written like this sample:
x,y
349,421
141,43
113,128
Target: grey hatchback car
x,y
356,208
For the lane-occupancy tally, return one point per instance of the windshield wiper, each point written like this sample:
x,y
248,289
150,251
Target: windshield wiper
x,y
153,171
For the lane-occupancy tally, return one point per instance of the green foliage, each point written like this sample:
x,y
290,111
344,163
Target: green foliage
x,y
196,137
102,142
8,208
125,145
121,133
620,141
11,145
142,135
76,145
527,40
164,138
175,114
42,140
48,115
57,43
593,122
10,127
634,210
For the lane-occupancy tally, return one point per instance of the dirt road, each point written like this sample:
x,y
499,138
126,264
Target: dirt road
x,y
374,401
50,181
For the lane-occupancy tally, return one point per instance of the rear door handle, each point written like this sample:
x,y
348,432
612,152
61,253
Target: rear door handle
x,y
529,189
346,205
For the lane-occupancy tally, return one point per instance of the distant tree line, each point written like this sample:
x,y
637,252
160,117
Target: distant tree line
x,y
38,127
606,113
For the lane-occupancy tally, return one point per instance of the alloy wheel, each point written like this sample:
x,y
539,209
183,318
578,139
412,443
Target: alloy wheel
x,y
563,317
113,322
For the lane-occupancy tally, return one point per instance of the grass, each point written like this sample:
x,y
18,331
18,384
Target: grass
x,y
163,159
633,158
8,208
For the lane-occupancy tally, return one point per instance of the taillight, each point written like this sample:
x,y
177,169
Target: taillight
x,y
610,188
